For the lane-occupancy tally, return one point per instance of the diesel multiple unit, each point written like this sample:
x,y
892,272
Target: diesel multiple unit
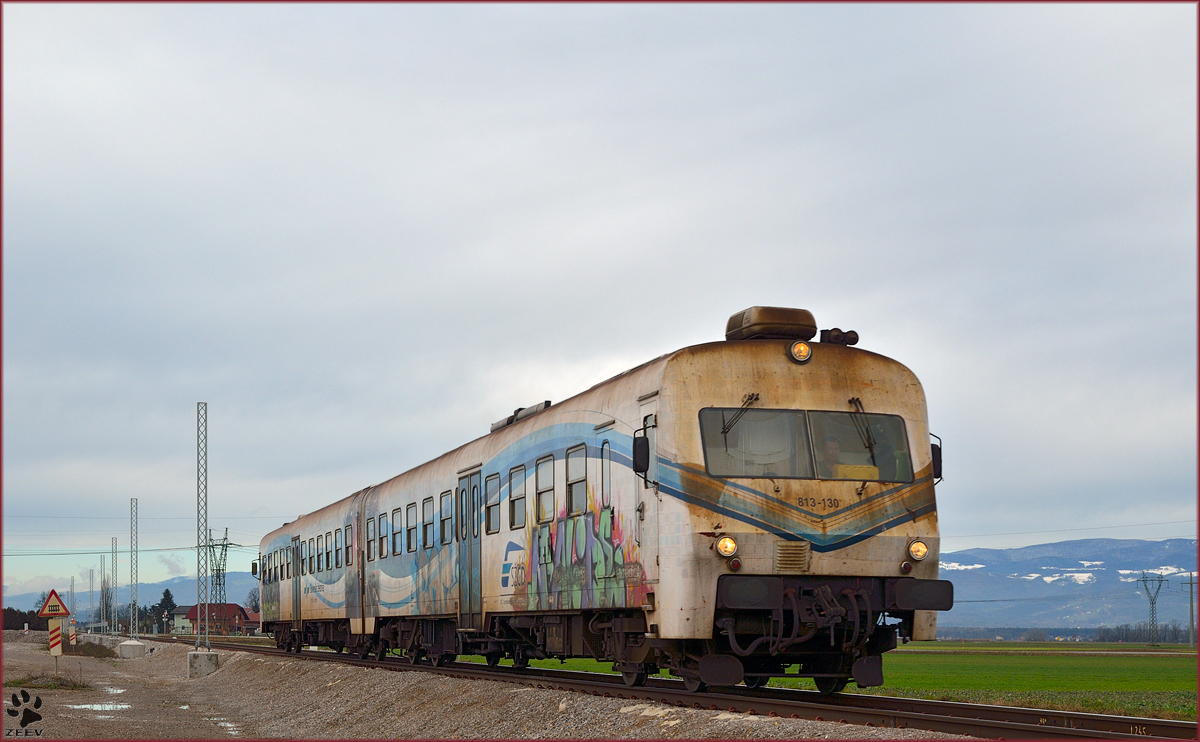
x,y
725,512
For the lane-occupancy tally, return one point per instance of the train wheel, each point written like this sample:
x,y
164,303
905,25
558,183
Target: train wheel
x,y
635,678
442,660
829,686
493,659
337,648
694,685
757,681
520,660
381,652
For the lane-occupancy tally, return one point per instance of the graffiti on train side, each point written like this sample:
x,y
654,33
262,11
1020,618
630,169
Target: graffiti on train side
x,y
586,560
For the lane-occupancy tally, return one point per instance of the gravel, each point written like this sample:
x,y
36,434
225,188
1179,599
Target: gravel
x,y
256,697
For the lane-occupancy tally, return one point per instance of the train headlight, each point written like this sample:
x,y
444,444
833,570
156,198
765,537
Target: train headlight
x,y
800,351
726,546
918,550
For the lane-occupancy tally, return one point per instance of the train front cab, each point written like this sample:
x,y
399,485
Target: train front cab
x,y
810,562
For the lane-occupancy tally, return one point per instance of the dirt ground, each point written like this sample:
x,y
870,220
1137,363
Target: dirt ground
x,y
253,696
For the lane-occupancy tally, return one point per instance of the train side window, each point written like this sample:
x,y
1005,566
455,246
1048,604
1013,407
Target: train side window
x,y
464,508
427,522
411,534
476,506
447,524
383,536
328,550
545,490
349,545
303,558
492,488
370,539
337,548
605,475
320,548
312,550
516,498
397,531
289,562
577,480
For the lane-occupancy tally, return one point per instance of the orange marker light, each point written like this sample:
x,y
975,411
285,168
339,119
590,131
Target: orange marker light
x,y
800,351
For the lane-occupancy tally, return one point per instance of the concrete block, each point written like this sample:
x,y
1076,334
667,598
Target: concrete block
x,y
131,650
201,664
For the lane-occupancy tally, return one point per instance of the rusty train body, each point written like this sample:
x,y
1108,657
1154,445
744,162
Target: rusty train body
x,y
727,512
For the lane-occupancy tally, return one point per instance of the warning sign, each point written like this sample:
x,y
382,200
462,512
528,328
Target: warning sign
x,y
53,607
55,636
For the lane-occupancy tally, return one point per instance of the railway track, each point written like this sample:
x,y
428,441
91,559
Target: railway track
x,y
993,722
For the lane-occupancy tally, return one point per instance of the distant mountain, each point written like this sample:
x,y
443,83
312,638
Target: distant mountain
x,y
1085,583
183,590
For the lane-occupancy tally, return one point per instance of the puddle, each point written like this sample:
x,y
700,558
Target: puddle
x,y
114,691
99,706
184,707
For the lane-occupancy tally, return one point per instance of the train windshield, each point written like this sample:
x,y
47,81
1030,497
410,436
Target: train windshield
x,y
800,444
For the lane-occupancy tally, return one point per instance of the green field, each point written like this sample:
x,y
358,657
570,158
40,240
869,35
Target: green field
x,y
1130,680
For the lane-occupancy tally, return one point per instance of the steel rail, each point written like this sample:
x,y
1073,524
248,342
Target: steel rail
x,y
977,720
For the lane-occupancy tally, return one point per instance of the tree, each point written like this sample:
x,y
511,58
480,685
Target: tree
x,y
1034,635
167,603
41,601
251,602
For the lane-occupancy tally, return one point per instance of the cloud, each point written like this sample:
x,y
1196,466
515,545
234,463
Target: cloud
x,y
173,564
364,233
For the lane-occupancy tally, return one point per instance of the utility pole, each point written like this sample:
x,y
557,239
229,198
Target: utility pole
x,y
91,588
1191,583
133,568
202,539
220,550
1152,593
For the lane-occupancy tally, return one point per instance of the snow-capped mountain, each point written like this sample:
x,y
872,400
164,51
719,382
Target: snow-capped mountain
x,y
1087,583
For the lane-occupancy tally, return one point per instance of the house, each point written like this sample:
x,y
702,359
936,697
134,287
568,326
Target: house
x,y
224,619
179,622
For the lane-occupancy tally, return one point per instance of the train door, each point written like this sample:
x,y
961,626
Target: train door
x,y
646,524
294,566
470,577
355,575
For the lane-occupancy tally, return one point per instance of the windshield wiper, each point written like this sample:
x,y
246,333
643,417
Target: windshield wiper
x,y
748,400
859,418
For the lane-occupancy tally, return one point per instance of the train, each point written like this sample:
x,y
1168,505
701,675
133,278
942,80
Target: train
x,y
733,511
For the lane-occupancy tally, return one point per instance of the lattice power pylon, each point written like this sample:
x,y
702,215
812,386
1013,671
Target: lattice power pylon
x,y
103,597
112,584
202,536
1152,583
133,568
220,549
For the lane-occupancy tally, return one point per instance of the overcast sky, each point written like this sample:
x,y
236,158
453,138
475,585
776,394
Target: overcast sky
x,y
362,234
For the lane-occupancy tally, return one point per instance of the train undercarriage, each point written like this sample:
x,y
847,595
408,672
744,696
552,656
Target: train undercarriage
x,y
833,630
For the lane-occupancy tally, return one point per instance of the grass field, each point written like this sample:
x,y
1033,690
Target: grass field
x,y
1122,680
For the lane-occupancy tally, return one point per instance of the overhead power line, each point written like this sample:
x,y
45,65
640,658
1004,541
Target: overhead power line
x,y
1066,530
